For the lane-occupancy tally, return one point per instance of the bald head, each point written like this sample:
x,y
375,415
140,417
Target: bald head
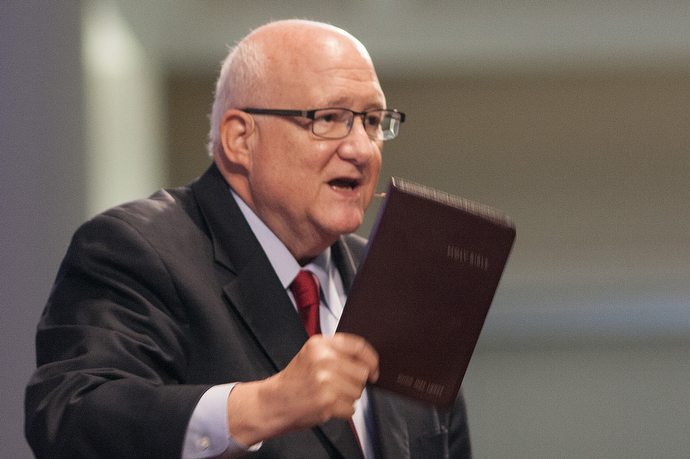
x,y
269,66
290,41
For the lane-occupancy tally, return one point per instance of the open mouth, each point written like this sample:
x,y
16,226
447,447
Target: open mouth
x,y
344,183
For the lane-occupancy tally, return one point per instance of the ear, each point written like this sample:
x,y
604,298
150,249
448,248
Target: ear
x,y
236,129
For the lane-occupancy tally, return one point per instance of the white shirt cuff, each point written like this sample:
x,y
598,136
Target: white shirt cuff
x,y
207,432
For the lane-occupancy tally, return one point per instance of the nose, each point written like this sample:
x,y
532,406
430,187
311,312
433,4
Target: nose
x,y
357,147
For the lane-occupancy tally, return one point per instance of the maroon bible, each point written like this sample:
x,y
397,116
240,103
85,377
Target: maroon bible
x,y
424,287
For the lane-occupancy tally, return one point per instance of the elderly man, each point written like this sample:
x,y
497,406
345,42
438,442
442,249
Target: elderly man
x,y
173,328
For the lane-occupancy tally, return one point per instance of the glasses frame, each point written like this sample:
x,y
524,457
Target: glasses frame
x,y
311,114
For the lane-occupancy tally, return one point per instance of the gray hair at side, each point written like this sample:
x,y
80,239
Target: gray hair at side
x,y
241,75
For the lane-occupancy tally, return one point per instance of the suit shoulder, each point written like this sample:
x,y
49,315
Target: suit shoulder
x,y
163,204
166,219
163,212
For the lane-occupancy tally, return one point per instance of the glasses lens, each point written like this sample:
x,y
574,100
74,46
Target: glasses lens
x,y
336,123
383,124
390,124
373,123
332,123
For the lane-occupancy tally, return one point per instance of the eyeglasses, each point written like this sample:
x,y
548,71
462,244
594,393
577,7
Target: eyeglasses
x,y
336,123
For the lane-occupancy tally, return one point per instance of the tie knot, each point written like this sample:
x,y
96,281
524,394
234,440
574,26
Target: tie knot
x,y
305,288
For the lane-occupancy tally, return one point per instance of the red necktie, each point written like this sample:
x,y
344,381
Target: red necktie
x,y
305,287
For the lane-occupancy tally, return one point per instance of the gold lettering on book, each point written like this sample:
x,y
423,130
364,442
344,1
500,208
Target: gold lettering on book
x,y
420,385
435,389
467,256
405,380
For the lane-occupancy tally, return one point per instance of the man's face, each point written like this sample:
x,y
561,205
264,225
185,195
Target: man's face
x,y
307,189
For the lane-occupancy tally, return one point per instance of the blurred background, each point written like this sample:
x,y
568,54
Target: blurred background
x,y
571,116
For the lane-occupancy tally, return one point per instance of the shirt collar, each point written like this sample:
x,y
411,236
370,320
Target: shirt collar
x,y
284,264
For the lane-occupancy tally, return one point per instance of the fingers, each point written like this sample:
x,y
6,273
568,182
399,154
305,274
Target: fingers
x,y
341,366
359,351
323,381
343,362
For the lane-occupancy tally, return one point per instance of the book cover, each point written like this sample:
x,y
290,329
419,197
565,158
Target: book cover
x,y
425,286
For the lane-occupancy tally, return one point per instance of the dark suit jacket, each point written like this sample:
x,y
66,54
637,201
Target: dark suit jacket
x,y
159,299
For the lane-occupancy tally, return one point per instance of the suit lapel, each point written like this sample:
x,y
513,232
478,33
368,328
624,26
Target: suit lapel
x,y
339,433
256,294
259,298
254,291
234,243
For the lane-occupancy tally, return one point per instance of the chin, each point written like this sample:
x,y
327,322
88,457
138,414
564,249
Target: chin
x,y
338,220
350,228
345,226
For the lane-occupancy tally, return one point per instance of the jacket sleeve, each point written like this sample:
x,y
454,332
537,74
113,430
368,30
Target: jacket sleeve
x,y
111,353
